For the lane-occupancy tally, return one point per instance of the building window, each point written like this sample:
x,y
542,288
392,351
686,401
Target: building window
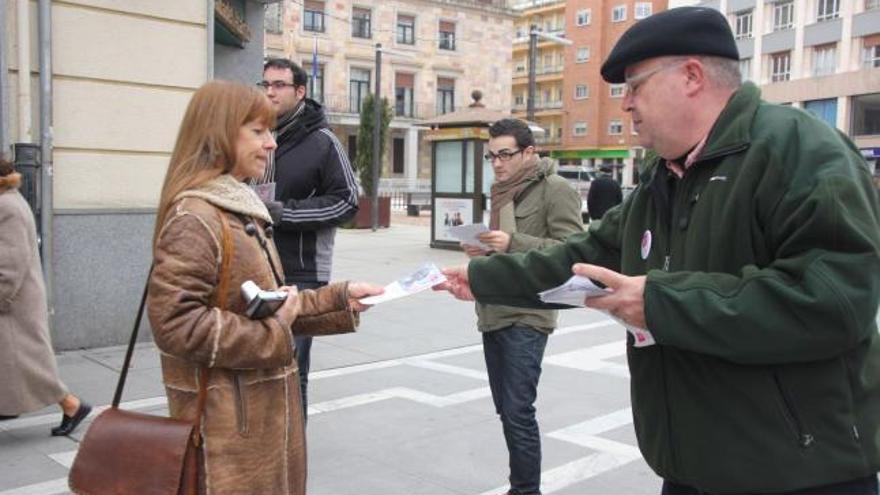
x,y
583,54
825,110
397,156
743,27
519,100
583,17
618,13
871,57
827,10
313,16
642,10
872,4
780,67
274,18
617,90
579,129
866,115
824,60
358,88
445,95
581,92
783,15
360,23
403,94
406,28
315,86
615,127
447,35
745,69
520,32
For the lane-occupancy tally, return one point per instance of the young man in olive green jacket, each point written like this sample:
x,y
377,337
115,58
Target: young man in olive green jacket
x,y
532,208
751,254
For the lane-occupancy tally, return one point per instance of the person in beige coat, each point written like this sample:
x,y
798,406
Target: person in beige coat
x,y
28,371
209,222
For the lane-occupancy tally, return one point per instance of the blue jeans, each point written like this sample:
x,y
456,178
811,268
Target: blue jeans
x,y
513,361
304,351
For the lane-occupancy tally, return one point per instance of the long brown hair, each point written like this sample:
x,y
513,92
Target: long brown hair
x,y
206,143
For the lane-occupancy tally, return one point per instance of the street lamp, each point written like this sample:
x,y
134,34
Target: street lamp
x,y
534,34
377,123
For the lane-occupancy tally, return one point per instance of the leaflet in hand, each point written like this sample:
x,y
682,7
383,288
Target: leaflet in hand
x,y
266,191
572,292
469,234
425,277
577,289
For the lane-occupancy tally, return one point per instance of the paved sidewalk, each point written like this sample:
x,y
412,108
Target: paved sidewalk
x,y
403,405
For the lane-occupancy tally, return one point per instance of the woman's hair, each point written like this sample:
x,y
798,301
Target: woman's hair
x,y
6,166
206,143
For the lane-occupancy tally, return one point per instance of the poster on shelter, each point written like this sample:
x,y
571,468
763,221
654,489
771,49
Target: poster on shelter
x,y
451,212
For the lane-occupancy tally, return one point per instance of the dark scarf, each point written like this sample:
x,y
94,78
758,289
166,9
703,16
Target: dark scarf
x,y
504,192
294,126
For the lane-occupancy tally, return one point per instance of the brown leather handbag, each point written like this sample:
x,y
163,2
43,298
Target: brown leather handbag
x,y
128,453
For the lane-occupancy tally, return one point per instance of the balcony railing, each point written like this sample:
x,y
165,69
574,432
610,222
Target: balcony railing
x,y
343,104
539,105
548,140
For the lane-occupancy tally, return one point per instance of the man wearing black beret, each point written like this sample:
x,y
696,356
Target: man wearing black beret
x,y
745,267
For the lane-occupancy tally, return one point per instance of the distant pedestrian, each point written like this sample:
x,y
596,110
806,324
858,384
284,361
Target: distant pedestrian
x,y
28,371
532,208
605,193
315,188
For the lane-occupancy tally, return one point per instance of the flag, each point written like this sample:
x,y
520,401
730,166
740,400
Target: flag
x,y
314,66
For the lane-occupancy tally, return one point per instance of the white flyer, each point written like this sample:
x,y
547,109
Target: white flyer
x,y
423,278
468,234
577,289
572,292
266,191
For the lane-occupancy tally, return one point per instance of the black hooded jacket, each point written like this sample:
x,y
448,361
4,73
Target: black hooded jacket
x,y
315,191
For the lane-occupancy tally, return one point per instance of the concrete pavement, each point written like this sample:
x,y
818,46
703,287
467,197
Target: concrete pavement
x,y
402,406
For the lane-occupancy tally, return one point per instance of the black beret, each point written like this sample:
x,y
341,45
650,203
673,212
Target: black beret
x,y
679,31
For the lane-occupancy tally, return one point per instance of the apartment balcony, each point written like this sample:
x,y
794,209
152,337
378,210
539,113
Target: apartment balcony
x,y
347,105
540,106
539,71
548,140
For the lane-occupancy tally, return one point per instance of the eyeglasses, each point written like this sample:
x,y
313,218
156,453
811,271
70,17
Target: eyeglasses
x,y
635,82
502,156
276,85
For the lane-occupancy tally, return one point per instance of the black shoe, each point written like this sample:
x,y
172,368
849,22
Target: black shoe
x,y
4,418
69,423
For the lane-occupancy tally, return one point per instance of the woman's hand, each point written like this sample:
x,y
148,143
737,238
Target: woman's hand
x,y
360,290
288,311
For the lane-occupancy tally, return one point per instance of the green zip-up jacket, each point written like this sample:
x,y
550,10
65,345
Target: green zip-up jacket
x,y
543,215
762,289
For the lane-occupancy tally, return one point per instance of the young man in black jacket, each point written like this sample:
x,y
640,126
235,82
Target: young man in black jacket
x,y
309,188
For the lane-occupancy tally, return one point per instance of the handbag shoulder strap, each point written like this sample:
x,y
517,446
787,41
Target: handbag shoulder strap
x,y
221,301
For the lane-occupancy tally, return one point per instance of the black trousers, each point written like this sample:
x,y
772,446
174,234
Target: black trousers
x,y
861,486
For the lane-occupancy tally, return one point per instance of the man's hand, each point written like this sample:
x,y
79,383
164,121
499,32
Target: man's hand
x,y
627,299
360,290
496,240
473,251
456,283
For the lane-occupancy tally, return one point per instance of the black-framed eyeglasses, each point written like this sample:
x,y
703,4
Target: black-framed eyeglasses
x,y
276,85
502,156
